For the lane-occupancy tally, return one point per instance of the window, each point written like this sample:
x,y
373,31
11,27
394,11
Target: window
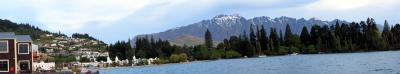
x,y
23,48
3,65
3,47
24,65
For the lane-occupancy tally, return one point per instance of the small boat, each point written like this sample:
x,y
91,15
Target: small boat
x,y
261,56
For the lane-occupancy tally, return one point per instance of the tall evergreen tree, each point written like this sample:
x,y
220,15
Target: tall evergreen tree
x,y
281,38
336,44
257,45
364,46
288,38
356,35
305,36
250,50
314,34
252,37
387,35
208,39
274,40
396,36
263,39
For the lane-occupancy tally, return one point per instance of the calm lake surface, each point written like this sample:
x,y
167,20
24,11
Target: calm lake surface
x,y
387,62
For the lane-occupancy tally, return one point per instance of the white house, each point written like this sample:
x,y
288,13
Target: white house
x,y
44,66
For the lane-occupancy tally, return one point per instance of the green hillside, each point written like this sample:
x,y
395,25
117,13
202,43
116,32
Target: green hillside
x,y
44,37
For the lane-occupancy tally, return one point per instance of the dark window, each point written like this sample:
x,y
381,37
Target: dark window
x,y
24,66
3,65
3,47
23,48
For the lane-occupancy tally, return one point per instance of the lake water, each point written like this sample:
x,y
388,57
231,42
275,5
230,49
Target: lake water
x,y
387,62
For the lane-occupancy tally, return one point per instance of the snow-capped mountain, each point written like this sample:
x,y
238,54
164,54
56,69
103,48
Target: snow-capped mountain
x,y
224,26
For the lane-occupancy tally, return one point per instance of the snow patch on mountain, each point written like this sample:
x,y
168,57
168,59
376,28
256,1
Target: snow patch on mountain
x,y
224,26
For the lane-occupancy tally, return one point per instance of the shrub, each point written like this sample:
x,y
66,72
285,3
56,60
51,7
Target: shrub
x,y
142,62
161,61
76,70
176,58
310,50
84,59
283,50
232,54
294,49
114,64
216,54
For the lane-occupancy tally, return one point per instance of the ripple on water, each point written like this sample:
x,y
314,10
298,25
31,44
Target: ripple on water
x,y
382,70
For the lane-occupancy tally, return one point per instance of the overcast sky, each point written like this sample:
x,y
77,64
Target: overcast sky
x,y
112,20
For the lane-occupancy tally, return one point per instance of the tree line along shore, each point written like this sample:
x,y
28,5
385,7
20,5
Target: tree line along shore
x,y
361,36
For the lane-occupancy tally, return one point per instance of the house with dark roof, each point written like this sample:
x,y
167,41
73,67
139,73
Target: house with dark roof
x,y
15,53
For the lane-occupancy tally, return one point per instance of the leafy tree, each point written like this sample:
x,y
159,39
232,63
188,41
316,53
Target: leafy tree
x,y
85,35
201,52
374,38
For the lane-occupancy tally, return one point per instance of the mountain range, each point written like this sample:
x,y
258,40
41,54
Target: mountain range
x,y
224,26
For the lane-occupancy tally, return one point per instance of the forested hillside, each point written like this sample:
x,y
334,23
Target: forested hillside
x,y
35,32
45,38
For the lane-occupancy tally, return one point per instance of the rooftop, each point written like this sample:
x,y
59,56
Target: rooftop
x,y
19,38
23,38
7,35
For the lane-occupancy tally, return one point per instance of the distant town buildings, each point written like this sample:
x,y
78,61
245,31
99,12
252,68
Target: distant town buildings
x,y
44,66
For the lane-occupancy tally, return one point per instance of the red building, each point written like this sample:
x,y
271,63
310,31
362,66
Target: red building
x,y
15,53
